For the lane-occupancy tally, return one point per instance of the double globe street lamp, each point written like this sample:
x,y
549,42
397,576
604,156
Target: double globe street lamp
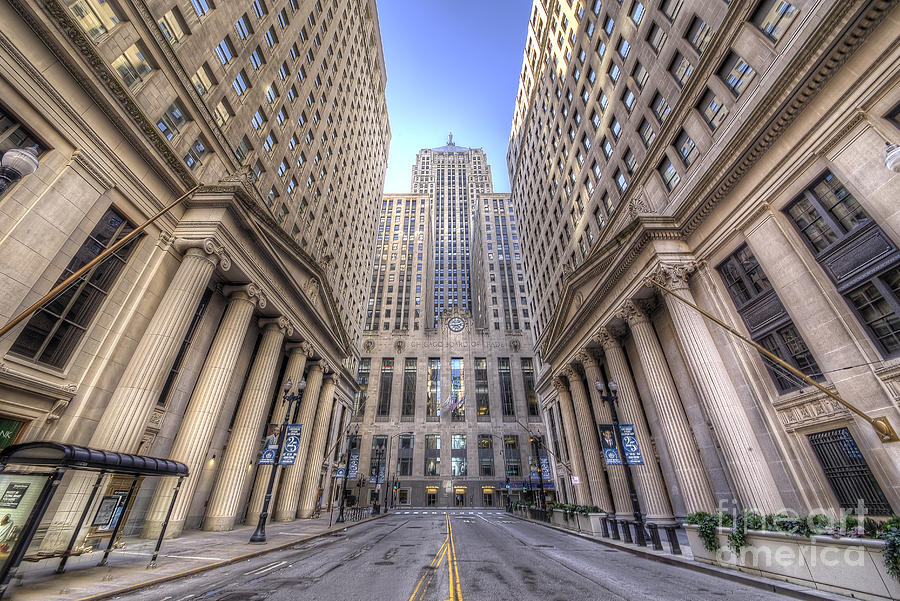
x,y
16,164
611,399
290,397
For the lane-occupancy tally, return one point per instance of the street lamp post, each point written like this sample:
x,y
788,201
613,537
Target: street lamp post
x,y
387,468
259,535
538,441
15,164
378,456
611,399
340,517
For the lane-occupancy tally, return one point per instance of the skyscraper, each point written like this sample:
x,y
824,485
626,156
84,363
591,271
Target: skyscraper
x,y
446,315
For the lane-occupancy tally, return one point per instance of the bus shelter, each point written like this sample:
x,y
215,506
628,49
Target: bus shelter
x,y
31,472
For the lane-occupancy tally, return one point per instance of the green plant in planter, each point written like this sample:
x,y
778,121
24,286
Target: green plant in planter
x,y
744,521
706,528
889,532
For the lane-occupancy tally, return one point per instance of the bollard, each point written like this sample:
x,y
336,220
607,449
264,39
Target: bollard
x,y
604,527
654,536
626,531
673,540
614,528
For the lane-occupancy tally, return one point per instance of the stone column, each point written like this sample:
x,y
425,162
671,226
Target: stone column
x,y
603,415
752,479
289,493
655,500
196,430
243,442
573,444
309,492
695,489
337,429
590,448
124,420
296,363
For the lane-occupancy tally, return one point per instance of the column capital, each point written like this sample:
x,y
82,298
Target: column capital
x,y
282,323
632,313
570,372
673,275
251,291
297,348
559,384
333,379
607,339
585,358
208,247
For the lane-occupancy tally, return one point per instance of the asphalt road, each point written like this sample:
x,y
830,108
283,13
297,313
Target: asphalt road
x,y
430,556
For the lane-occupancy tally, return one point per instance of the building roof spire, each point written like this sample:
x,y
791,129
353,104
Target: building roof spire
x,y
450,140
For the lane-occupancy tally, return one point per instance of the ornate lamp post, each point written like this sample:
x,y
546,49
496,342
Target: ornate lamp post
x,y
340,517
378,456
259,535
16,164
387,468
538,441
611,399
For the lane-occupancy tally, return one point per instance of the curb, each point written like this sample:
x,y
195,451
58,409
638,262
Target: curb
x,y
162,579
760,582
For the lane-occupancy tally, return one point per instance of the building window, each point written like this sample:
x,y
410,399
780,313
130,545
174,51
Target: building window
x,y
773,17
384,387
660,107
877,302
433,392
753,297
736,74
512,455
223,112
408,409
506,394
637,13
196,151
668,173
680,68
225,51
712,109
686,148
95,17
132,66
528,382
646,132
826,212
53,332
172,26
482,397
163,398
172,120
671,8
203,80
699,35
457,390
362,380
848,473
656,38
201,7
432,454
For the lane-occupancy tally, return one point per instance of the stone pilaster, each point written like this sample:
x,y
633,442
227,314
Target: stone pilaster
x,y
655,500
289,493
692,481
296,363
196,430
752,478
309,492
573,443
242,444
602,415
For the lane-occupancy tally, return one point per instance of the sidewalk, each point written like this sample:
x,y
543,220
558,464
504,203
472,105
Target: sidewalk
x,y
126,569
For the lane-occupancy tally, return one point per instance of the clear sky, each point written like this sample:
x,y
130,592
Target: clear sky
x,y
452,65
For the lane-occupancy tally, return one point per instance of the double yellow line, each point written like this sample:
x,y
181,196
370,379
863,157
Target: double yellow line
x,y
448,551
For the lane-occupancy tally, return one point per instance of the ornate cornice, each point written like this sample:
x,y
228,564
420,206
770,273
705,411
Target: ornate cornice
x,y
102,73
27,381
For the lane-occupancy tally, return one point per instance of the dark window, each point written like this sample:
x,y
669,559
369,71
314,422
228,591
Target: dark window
x,y
14,135
699,35
669,174
384,390
712,109
736,74
185,344
877,302
773,17
848,473
753,296
482,398
506,394
680,68
362,380
530,395
408,409
53,332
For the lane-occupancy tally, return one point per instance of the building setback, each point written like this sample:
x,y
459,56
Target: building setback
x,y
180,345
447,374
735,154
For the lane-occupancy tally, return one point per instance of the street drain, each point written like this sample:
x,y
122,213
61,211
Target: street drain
x,y
545,546
384,563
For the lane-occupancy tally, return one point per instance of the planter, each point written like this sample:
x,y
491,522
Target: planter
x,y
557,517
847,566
595,522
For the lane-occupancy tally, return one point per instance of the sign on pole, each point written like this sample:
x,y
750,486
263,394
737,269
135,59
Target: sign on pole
x,y
546,476
630,444
291,444
576,480
268,454
354,465
608,444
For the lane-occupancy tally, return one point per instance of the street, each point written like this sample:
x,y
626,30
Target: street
x,y
456,555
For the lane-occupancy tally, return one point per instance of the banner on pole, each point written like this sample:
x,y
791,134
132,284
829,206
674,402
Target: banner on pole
x,y
291,444
353,467
546,476
630,444
268,454
608,444
381,470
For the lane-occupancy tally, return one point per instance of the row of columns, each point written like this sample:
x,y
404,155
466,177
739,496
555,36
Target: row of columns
x,y
123,424
752,480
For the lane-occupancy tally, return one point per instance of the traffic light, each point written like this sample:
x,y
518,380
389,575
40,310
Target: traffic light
x,y
507,484
524,487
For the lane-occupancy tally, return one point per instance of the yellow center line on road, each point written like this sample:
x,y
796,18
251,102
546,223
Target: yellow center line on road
x,y
453,566
435,563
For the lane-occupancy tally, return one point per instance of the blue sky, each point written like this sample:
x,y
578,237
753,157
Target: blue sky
x,y
451,66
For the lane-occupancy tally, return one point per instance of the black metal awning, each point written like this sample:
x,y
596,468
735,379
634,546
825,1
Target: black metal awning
x,y
54,454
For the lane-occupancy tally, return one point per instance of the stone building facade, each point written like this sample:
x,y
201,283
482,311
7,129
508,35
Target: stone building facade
x,y
271,116
735,154
447,400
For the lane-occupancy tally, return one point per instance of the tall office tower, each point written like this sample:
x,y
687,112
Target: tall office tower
x,y
446,300
271,116
454,177
732,154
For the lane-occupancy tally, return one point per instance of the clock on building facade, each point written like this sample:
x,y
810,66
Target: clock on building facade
x,y
456,324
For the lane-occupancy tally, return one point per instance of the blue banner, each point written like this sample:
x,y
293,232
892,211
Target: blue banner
x,y
268,454
608,445
630,444
291,444
545,469
354,467
381,470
